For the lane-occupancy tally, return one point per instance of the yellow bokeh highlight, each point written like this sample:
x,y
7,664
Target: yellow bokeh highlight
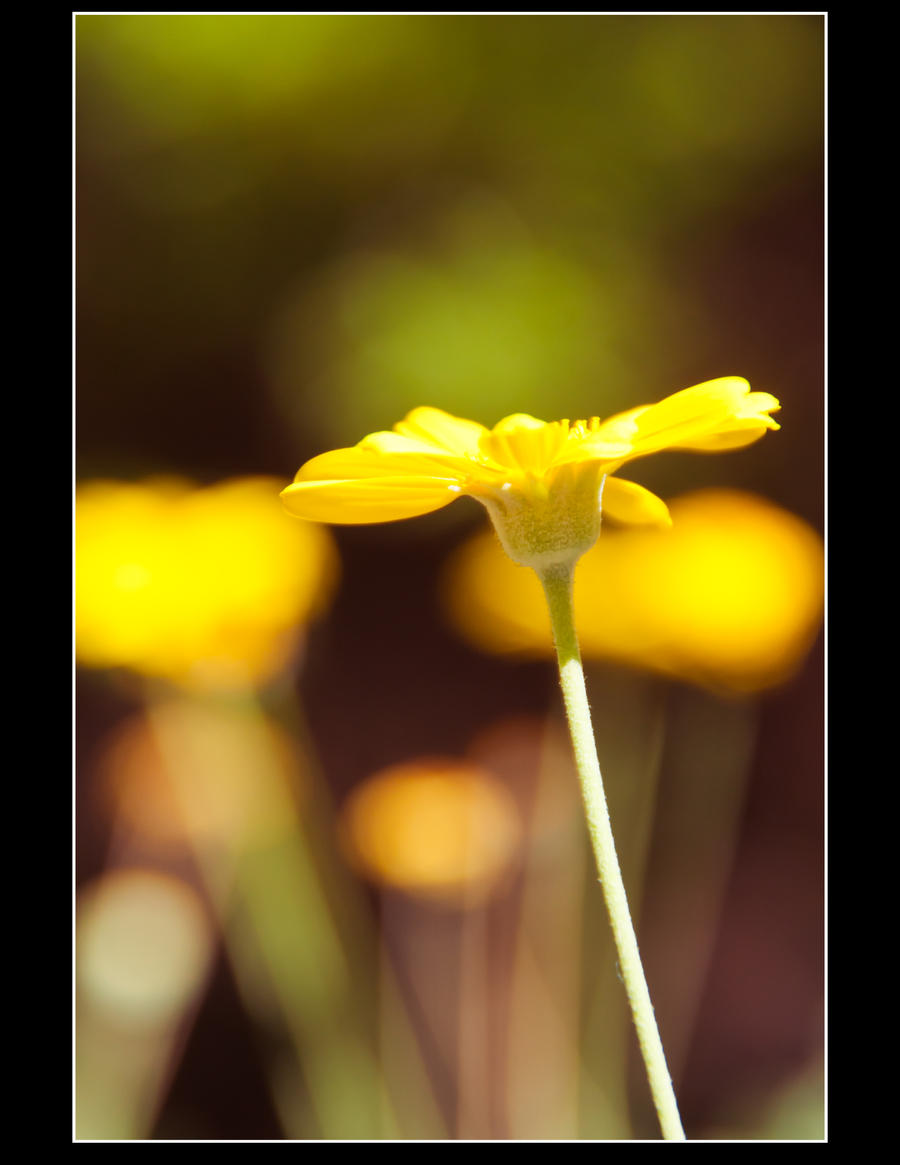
x,y
438,829
208,587
730,597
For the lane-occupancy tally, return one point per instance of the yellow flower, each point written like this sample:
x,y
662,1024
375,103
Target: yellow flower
x,y
540,481
207,587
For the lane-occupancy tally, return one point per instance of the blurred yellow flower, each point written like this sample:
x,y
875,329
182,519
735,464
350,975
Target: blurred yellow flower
x,y
207,587
730,597
439,829
540,481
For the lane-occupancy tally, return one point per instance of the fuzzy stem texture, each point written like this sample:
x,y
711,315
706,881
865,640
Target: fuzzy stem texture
x,y
558,585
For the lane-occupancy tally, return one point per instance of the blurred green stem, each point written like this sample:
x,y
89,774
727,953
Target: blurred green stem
x,y
279,926
558,587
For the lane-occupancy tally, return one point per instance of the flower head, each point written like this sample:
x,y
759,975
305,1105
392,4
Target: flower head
x,y
542,482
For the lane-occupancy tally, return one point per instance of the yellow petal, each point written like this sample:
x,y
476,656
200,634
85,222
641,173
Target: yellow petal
x,y
594,447
691,416
399,452
621,428
369,499
517,421
453,434
366,461
743,433
523,442
624,501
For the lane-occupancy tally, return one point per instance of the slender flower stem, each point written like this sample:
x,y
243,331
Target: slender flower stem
x,y
557,583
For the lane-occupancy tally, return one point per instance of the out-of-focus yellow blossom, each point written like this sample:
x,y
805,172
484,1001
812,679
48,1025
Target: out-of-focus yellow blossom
x,y
437,829
730,597
208,587
541,482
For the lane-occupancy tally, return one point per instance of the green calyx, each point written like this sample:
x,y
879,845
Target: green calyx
x,y
551,524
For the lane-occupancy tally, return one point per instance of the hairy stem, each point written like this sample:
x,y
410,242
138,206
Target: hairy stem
x,y
557,583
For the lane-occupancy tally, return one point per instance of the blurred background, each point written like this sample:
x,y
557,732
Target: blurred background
x,y
332,879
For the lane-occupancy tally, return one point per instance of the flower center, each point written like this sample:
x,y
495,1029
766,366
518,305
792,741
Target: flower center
x,y
531,447
576,430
